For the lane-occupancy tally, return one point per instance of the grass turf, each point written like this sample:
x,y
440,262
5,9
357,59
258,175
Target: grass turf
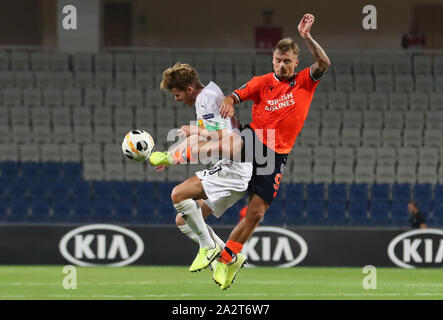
x,y
170,283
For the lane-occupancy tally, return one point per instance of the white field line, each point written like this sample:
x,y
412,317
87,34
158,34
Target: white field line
x,y
186,295
280,283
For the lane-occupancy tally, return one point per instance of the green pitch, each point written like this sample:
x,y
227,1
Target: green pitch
x,y
170,283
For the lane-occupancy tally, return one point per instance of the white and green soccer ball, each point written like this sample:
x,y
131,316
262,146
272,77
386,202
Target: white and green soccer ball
x,y
137,145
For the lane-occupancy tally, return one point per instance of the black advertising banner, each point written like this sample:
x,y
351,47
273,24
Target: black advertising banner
x,y
118,245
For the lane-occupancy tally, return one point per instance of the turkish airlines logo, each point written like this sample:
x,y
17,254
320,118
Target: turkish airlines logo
x,y
272,246
417,248
285,100
101,245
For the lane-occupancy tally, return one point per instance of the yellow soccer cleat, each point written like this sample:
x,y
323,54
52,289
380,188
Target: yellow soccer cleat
x,y
204,258
160,159
224,274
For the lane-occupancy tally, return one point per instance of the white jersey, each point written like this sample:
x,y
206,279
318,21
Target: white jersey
x,y
207,108
227,182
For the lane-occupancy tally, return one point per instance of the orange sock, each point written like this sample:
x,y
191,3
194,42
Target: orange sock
x,y
231,249
178,155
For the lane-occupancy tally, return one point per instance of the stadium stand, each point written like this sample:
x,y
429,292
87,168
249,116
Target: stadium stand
x,y
371,143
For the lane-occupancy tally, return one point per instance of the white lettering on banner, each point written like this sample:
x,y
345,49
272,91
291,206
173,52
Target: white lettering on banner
x,y
249,250
118,245
82,246
430,253
410,250
283,246
266,248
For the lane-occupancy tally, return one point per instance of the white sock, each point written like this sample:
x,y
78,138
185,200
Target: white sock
x,y
187,231
216,238
192,214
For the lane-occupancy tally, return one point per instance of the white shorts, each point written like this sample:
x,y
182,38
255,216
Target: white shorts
x,y
224,184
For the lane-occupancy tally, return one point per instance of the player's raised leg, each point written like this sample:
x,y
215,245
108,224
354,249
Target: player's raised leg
x,y
183,197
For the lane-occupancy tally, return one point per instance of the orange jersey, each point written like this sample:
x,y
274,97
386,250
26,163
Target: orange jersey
x,y
282,105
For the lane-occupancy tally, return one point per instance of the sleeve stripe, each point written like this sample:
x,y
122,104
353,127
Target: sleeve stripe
x,y
238,97
312,77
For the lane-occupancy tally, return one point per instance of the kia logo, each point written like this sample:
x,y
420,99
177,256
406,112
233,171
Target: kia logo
x,y
272,246
417,248
101,245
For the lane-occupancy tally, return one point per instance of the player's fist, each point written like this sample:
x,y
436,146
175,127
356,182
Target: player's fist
x,y
184,131
304,27
227,108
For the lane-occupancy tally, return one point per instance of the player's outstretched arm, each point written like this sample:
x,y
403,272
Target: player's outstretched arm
x,y
322,61
227,106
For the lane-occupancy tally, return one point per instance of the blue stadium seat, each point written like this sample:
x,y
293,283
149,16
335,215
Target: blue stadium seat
x,y
124,210
315,192
274,216
102,211
437,217
401,192
39,190
3,211
30,170
9,169
337,192
399,213
294,213
82,210
438,193
40,210
163,190
337,213
81,190
4,183
379,213
50,171
17,190
61,209
123,190
102,191
145,210
145,190
422,193
166,209
315,213
72,171
18,211
380,192
358,211
358,192
294,192
60,190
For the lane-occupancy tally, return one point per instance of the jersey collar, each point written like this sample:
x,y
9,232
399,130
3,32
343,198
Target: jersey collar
x,y
290,80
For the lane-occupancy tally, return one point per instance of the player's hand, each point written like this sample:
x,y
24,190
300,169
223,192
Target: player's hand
x,y
184,131
227,108
304,27
159,169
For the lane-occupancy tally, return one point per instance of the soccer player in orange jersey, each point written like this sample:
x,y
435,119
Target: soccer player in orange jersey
x,y
281,104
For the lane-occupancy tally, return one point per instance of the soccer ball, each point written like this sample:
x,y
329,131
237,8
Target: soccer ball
x,y
137,145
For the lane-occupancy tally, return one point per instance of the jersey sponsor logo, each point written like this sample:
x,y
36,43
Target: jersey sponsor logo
x,y
284,101
208,116
417,248
273,246
101,245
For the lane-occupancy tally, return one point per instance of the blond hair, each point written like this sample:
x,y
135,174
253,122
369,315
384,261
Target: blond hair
x,y
286,44
180,77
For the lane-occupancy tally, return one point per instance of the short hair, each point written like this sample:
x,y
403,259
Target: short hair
x,y
180,76
414,203
286,44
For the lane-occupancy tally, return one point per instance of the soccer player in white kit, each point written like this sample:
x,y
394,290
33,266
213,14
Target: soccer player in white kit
x,y
210,191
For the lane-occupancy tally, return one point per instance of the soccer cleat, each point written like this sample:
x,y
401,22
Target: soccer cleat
x,y
204,258
160,159
224,274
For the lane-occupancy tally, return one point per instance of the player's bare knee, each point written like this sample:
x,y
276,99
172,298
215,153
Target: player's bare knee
x,y
176,195
179,220
254,217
